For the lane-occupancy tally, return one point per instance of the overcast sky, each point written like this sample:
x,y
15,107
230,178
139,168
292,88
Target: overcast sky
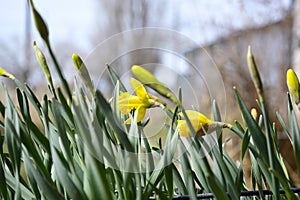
x,y
74,21
63,18
69,19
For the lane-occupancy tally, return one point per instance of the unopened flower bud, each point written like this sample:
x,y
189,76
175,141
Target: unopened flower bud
x,y
43,63
6,74
293,85
83,72
254,74
254,113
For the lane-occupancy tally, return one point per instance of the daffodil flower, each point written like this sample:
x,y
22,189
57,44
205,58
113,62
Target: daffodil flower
x,y
198,121
140,103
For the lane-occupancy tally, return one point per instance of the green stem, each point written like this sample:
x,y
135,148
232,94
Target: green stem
x,y
60,74
270,147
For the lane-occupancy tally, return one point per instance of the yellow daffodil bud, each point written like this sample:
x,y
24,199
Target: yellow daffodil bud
x,y
254,113
198,121
293,85
149,79
6,74
254,74
83,72
143,74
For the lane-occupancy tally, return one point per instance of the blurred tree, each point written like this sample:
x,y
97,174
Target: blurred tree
x,y
114,18
238,24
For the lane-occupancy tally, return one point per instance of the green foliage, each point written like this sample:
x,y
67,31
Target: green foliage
x,y
84,150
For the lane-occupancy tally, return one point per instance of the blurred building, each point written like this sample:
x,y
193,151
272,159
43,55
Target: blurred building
x,y
271,46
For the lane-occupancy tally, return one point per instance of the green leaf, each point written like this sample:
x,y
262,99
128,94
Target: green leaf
x,y
217,117
3,188
245,143
61,129
12,183
272,157
216,188
285,184
178,181
104,107
228,171
31,180
96,184
200,164
187,170
295,133
239,126
12,135
35,131
284,126
66,109
47,187
239,180
2,109
62,170
168,174
264,170
258,137
158,172
115,78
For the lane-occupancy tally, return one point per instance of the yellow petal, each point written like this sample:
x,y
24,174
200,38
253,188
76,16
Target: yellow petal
x,y
139,89
194,115
184,130
141,111
197,120
127,102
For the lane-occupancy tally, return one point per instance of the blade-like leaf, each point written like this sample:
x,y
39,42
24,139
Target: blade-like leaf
x,y
104,107
47,188
115,78
257,134
245,143
3,188
96,184
216,188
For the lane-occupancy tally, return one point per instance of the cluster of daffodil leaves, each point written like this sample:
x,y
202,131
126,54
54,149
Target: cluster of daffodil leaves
x,y
59,165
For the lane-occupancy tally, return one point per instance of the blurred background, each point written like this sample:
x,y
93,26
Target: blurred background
x,y
220,31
